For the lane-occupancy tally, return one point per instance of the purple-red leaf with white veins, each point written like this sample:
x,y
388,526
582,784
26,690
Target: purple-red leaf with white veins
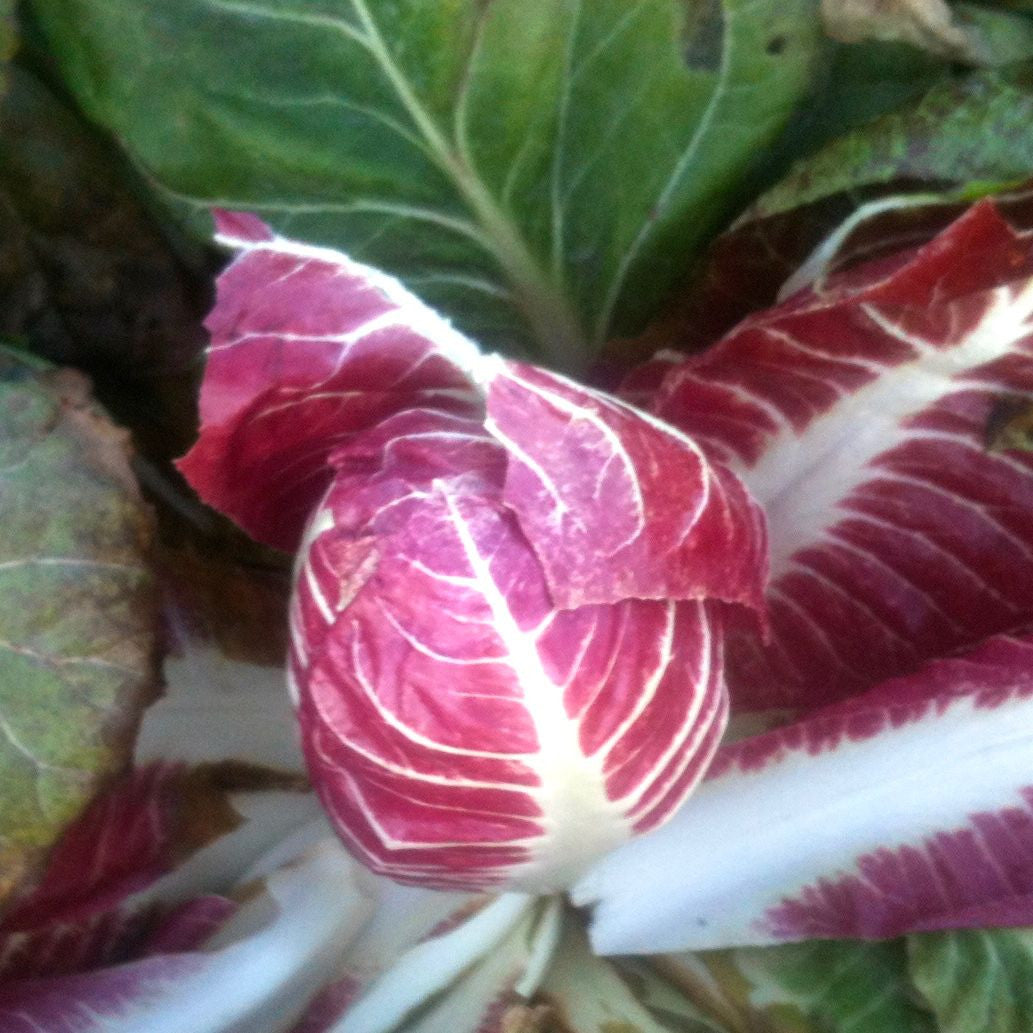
x,y
510,592
307,347
617,505
907,808
861,415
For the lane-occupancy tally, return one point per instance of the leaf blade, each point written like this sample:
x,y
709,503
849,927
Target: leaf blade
x,y
78,624
503,160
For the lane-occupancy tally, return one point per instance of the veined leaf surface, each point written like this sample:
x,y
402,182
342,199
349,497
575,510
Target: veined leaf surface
x,y
541,171
861,413
905,809
77,620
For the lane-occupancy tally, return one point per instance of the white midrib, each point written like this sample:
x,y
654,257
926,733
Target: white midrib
x,y
556,326
580,822
801,478
808,816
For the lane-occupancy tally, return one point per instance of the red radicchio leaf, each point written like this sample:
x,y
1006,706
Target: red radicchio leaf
x,y
307,348
907,808
617,505
859,415
460,728
507,619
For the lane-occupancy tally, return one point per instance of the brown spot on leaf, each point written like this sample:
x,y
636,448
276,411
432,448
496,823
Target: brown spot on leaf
x,y
1009,424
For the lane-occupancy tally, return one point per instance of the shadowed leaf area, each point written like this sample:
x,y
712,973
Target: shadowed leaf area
x,y
88,278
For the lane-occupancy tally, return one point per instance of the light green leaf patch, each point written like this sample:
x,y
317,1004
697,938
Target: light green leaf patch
x,y
826,985
77,616
542,172
976,980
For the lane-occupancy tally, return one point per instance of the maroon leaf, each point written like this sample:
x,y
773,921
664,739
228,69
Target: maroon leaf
x,y
857,414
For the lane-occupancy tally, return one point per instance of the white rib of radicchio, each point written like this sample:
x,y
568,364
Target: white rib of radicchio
x,y
510,590
862,415
907,808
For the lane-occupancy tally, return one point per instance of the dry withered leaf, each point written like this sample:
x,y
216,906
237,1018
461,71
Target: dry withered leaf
x,y
928,24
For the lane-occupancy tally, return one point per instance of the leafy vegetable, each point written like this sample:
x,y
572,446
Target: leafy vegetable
x,y
256,971
517,545
857,413
516,597
542,174
78,621
975,979
907,808
835,987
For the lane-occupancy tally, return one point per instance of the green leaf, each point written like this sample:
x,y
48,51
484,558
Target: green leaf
x,y
973,134
975,980
856,83
77,615
1004,36
824,985
543,172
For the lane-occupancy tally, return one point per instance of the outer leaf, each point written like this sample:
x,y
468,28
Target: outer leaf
x,y
825,985
77,619
405,917
603,495
307,348
976,979
255,974
127,839
543,173
908,808
215,708
858,415
463,978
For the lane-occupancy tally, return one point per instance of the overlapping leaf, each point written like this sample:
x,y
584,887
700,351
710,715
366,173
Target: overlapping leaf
x,y
857,413
907,808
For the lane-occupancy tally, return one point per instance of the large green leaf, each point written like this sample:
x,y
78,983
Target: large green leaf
x,y
541,171
975,980
77,620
